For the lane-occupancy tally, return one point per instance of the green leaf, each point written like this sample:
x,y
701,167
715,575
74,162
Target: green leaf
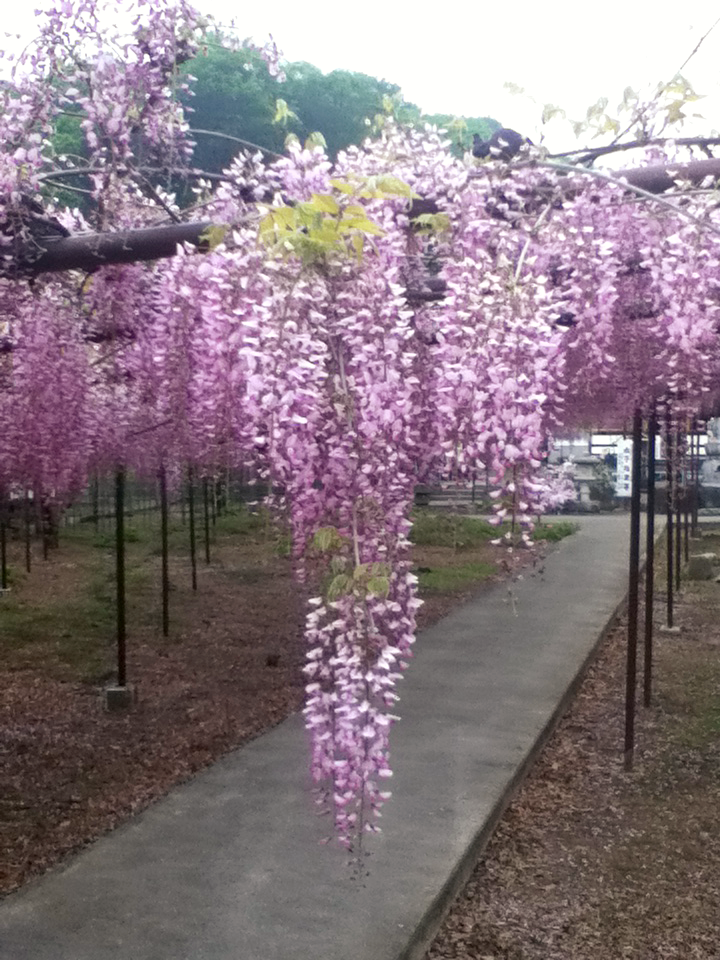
x,y
360,571
325,203
354,210
327,538
550,111
338,564
358,242
266,229
379,586
432,223
361,223
339,587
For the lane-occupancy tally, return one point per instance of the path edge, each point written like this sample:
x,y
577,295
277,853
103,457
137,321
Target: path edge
x,y
429,925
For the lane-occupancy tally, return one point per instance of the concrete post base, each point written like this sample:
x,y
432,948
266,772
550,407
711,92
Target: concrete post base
x,y
119,698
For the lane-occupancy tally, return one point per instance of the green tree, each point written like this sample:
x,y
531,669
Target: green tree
x,y
233,94
461,129
340,104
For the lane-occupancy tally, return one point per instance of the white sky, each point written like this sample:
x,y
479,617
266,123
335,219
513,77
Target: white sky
x,y
454,57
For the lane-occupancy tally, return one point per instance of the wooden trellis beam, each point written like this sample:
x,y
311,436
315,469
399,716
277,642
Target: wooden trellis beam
x,y
87,251
92,250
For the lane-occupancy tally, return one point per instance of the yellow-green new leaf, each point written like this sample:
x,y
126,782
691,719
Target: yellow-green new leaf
x,y
395,186
315,139
283,113
325,203
338,564
213,236
343,186
432,222
361,223
358,242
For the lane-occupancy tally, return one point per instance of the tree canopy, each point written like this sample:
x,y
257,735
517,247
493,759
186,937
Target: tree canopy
x,y
234,94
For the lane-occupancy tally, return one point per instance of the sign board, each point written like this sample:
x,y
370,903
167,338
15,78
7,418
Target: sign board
x,y
623,475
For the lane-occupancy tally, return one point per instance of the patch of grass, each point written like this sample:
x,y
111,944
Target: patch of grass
x,y
450,530
13,575
455,577
104,540
241,522
76,631
696,705
555,531
464,532
283,547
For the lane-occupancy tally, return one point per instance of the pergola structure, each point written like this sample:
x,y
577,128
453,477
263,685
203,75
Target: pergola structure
x,y
52,252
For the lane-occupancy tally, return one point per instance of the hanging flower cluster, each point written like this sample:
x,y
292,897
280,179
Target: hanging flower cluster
x,y
44,389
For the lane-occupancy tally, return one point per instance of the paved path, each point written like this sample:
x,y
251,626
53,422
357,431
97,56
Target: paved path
x,y
228,867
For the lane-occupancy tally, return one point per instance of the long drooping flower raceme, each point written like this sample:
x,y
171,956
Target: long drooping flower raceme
x,y
45,414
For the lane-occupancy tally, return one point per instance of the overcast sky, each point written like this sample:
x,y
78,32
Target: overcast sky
x,y
454,57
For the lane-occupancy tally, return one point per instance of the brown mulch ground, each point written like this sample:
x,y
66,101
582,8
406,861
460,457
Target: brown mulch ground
x,y
71,770
231,668
591,862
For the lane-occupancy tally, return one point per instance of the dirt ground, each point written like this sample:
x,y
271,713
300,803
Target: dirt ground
x,y
230,669
591,862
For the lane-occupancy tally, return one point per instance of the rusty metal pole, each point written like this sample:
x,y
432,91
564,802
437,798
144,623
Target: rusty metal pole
x,y
696,478
633,592
162,478
687,486
3,548
650,560
669,515
120,575
191,517
678,490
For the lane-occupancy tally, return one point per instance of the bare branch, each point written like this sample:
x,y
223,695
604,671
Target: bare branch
x,y
244,143
68,186
587,154
156,171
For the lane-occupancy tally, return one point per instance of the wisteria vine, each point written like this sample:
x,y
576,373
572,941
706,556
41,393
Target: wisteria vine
x,y
357,327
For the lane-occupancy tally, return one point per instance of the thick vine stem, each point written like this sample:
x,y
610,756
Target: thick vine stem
x,y
533,231
627,180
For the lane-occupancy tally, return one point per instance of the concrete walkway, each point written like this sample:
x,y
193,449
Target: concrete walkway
x,y
228,866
